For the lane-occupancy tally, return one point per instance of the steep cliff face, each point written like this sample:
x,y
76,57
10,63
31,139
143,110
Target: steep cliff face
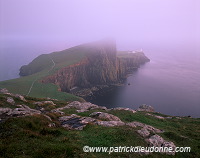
x,y
68,77
127,64
100,66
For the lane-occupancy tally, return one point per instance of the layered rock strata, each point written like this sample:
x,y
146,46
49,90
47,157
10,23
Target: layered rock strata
x,y
101,67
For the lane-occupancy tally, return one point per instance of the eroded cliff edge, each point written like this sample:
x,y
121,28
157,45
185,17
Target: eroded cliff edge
x,y
99,67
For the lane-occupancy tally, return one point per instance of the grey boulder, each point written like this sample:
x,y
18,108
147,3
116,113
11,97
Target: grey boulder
x,y
146,108
104,116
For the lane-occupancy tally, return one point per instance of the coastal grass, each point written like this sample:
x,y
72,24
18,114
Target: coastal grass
x,y
43,66
22,85
183,131
31,136
46,65
39,90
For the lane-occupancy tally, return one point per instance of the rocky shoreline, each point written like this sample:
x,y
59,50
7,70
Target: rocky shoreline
x,y
99,90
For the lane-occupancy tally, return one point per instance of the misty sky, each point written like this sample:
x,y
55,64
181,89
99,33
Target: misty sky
x,y
78,21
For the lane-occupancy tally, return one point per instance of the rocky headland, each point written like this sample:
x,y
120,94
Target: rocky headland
x,y
60,128
98,69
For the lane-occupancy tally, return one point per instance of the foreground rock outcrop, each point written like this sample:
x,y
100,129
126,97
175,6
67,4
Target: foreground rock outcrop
x,y
105,116
146,108
86,114
80,107
22,110
158,141
10,100
75,122
126,109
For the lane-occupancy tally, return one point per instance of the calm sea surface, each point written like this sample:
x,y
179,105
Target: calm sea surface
x,y
170,82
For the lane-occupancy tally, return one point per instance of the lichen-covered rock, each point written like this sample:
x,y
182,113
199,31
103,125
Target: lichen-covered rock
x,y
3,90
159,117
155,140
10,100
24,110
49,102
143,132
78,123
169,144
20,97
146,108
21,111
51,125
49,118
82,106
135,124
75,104
104,116
153,129
87,120
126,109
75,122
65,118
168,117
39,103
156,116
158,141
42,103
5,110
110,123
59,110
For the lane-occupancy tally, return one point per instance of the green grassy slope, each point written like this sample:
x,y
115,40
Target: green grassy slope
x,y
42,65
48,64
61,58
31,137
